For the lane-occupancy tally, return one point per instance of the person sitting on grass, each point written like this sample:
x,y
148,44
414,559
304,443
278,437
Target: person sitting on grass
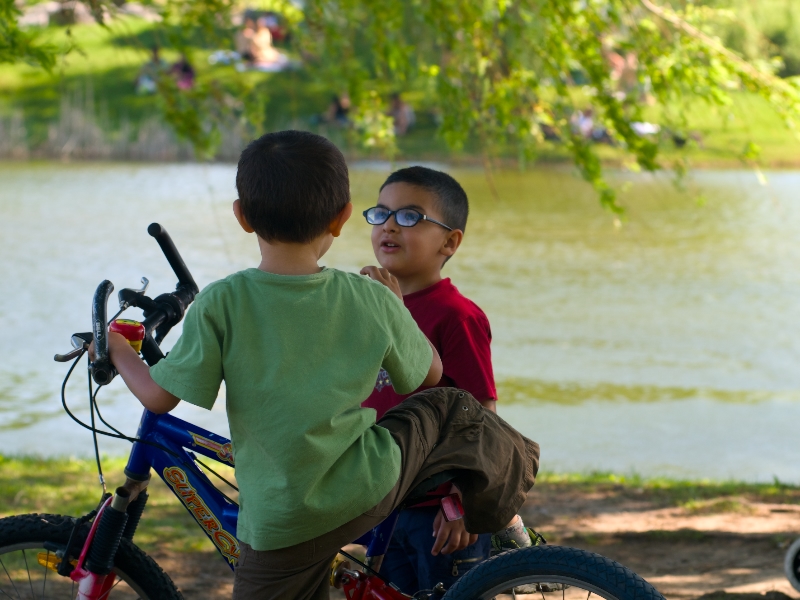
x,y
418,225
298,346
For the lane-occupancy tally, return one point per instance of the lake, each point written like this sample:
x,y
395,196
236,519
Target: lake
x,y
663,344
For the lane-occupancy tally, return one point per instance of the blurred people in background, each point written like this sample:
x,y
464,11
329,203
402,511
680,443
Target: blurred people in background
x,y
338,112
244,38
146,80
402,113
583,124
264,56
184,73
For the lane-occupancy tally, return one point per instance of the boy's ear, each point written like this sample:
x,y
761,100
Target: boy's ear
x,y
452,242
237,211
335,228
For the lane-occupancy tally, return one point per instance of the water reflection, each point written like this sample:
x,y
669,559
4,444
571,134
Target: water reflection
x,y
611,344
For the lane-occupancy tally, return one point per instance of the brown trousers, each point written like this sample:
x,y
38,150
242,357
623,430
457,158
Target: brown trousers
x,y
437,430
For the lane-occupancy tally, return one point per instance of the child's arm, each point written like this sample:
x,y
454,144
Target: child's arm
x,y
136,375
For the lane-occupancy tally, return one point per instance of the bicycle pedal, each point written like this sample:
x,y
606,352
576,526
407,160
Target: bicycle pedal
x,y
52,561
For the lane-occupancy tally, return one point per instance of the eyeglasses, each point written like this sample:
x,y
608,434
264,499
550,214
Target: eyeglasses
x,y
405,217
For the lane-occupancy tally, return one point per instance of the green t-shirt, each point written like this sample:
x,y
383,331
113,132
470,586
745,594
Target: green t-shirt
x,y
298,355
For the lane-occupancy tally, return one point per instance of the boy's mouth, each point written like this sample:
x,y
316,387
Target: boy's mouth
x,y
388,246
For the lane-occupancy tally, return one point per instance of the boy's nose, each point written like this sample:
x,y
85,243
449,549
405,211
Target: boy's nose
x,y
391,224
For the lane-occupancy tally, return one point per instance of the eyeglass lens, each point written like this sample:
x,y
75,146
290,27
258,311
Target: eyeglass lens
x,y
406,217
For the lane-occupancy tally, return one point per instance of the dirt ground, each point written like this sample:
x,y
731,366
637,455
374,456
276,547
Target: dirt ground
x,y
733,545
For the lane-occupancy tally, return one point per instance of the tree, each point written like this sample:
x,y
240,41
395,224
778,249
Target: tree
x,y
505,72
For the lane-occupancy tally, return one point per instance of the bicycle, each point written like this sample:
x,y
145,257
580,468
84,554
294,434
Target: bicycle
x,y
93,557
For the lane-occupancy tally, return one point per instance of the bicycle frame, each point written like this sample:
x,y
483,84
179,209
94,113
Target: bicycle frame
x,y
215,515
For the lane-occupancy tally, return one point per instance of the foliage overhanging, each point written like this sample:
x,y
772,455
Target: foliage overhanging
x,y
507,73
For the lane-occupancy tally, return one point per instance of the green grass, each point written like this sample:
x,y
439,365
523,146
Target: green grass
x,y
105,67
696,496
70,486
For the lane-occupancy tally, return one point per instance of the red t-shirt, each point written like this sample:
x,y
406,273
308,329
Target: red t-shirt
x,y
460,331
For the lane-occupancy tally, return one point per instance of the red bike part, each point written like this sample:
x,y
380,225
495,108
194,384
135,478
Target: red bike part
x,y
357,586
133,331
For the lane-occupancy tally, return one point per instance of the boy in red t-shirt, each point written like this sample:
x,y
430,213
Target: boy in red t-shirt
x,y
426,549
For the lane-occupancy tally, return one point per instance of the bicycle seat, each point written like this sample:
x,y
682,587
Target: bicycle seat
x,y
420,492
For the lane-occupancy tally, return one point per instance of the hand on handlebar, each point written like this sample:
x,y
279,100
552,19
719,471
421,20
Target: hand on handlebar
x,y
115,342
136,375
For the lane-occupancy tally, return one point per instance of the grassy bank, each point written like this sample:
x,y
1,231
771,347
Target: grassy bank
x,y
70,486
697,496
88,109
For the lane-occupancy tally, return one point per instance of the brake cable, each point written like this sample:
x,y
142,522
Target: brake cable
x,y
94,433
118,435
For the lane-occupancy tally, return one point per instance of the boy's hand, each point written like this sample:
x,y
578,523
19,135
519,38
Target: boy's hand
x,y
136,375
384,277
453,533
116,343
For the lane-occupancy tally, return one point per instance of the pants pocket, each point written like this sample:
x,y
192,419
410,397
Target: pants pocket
x,y
462,565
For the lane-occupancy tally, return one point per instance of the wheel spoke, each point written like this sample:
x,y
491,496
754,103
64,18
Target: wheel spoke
x,y
11,581
46,569
109,590
28,570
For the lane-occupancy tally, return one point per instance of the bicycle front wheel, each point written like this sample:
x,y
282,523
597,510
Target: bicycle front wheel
x,y
27,541
551,572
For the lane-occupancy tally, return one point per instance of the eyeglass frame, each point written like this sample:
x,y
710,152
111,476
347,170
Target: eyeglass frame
x,y
423,216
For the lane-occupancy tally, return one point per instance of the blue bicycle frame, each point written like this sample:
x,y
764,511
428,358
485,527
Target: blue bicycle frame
x,y
213,512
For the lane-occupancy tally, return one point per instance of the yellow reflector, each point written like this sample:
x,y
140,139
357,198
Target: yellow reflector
x,y
51,561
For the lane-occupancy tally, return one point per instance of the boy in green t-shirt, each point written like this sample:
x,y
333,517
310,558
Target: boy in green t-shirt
x,y
298,346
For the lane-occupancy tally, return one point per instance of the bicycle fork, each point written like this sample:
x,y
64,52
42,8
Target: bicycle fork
x,y
118,518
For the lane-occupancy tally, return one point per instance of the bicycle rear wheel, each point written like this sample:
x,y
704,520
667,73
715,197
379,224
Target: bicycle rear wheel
x,y
581,575
25,539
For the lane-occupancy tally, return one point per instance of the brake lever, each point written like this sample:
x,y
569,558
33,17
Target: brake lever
x,y
69,355
127,296
80,342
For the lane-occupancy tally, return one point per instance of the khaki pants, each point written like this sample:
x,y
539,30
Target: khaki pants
x,y
437,430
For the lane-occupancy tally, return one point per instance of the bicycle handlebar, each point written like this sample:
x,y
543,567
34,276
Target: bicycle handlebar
x,y
174,259
161,314
102,369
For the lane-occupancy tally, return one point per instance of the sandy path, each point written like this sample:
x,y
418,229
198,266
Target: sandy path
x,y
738,548
684,553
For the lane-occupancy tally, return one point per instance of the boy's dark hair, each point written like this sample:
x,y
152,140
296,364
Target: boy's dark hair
x,y
451,197
291,185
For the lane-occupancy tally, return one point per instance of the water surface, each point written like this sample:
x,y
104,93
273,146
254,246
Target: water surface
x,y
668,345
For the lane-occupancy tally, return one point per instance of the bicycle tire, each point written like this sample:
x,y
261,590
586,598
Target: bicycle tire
x,y
791,564
579,569
140,573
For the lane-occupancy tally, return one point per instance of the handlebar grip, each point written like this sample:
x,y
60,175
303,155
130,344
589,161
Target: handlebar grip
x,y
102,370
173,257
